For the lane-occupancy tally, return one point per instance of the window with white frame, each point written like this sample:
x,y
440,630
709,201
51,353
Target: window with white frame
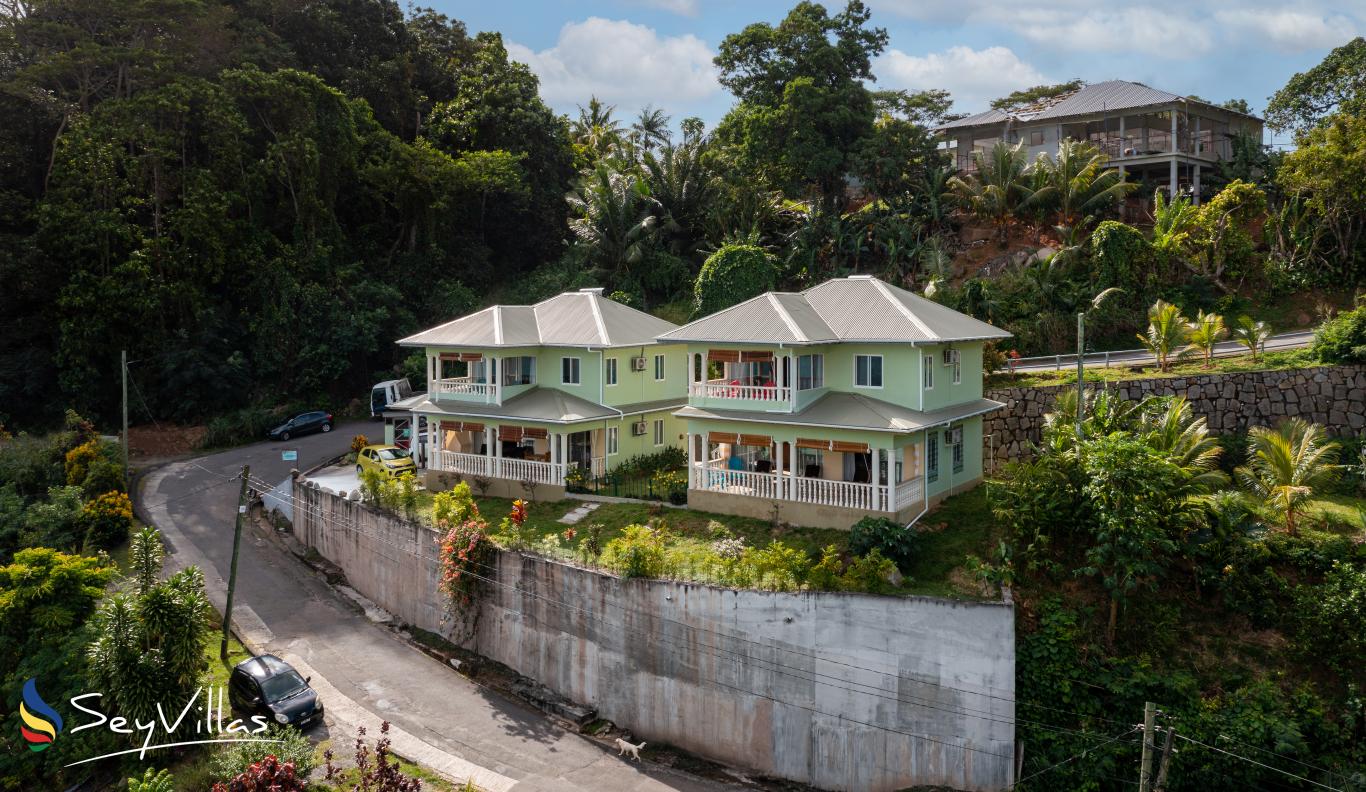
x,y
927,372
868,371
932,457
611,440
957,369
659,432
659,368
810,372
569,371
610,372
519,371
958,455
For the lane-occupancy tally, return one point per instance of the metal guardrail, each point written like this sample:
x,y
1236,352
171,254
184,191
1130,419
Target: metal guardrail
x,y
1120,357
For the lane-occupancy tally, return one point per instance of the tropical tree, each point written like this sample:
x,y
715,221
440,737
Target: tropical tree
x,y
1205,332
1185,439
997,187
1337,83
595,130
1285,466
615,219
1251,334
651,128
684,183
1175,224
1078,184
1167,330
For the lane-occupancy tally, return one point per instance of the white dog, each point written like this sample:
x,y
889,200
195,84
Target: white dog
x,y
623,747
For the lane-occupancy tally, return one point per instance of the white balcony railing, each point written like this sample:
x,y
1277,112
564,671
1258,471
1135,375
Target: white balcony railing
x,y
723,389
908,492
464,386
498,467
849,494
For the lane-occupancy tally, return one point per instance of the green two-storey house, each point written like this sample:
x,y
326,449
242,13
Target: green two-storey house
x,y
851,398
521,393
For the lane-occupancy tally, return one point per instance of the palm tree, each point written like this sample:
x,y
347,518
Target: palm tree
x,y
1205,333
1251,334
596,129
998,187
651,128
1174,223
686,187
1286,464
1185,438
1166,331
615,219
1078,184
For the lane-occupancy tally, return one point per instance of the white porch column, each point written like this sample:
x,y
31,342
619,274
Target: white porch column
x,y
1195,185
780,486
490,447
889,488
433,444
876,460
1171,191
498,381
791,382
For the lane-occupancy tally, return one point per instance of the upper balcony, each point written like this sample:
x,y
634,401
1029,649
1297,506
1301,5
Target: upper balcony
x,y
474,377
752,379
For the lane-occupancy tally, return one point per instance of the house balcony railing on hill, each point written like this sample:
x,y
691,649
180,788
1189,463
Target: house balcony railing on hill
x,y
734,389
500,467
467,387
716,476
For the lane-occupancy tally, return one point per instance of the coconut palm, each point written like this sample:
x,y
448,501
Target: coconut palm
x,y
1251,334
1286,464
615,219
1174,223
1205,333
651,128
1078,184
1166,331
998,186
1185,438
596,129
686,187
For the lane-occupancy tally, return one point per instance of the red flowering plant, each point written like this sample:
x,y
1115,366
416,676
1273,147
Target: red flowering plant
x,y
466,553
514,533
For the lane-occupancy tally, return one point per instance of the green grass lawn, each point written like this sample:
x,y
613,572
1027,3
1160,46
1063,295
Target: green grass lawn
x,y
1340,514
962,525
1279,359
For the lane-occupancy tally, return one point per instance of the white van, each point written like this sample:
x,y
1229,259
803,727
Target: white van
x,y
386,393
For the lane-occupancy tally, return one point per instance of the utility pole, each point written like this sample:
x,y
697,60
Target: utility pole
x,y
232,575
1161,784
1081,381
1145,771
123,367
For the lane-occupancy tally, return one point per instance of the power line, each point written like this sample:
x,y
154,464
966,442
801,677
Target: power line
x,y
1074,757
1259,764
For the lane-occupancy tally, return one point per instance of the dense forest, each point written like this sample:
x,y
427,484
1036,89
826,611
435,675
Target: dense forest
x,y
255,197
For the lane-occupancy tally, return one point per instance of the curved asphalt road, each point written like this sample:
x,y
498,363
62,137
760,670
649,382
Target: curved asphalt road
x,y
362,671
1299,338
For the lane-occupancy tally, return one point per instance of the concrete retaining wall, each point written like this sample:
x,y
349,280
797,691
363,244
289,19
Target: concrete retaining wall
x,y
842,691
1331,395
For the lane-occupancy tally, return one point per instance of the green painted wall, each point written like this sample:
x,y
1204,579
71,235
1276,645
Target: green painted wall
x,y
972,457
634,387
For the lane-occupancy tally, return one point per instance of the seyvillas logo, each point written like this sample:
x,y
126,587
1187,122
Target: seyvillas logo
x,y
40,723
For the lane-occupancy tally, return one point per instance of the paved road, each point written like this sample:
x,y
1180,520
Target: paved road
x,y
362,670
1222,349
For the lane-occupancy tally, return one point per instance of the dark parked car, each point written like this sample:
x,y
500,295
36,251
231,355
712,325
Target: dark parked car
x,y
266,685
302,424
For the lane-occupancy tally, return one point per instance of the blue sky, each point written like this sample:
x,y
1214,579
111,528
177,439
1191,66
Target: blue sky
x,y
635,52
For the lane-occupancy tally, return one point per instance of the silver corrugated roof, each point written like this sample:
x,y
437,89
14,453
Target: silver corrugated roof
x,y
858,308
853,411
1089,100
582,318
546,405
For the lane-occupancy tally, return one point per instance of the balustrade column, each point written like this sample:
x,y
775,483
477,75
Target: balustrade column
x,y
692,462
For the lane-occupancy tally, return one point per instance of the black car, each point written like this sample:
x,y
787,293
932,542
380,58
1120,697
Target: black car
x,y
266,685
302,424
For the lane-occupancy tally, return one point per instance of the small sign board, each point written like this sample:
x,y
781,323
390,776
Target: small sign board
x,y
289,456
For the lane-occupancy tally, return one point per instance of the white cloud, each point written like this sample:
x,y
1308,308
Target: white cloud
x,y
972,77
1289,31
680,7
620,62
1167,34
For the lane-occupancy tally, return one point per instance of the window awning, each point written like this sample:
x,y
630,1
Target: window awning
x,y
755,356
833,445
461,426
733,438
723,355
467,357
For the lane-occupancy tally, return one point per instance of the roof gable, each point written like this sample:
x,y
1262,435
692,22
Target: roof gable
x,y
582,318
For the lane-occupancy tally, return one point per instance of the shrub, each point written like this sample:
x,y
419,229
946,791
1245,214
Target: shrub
x,y
454,506
107,520
1343,338
777,567
1333,619
514,532
671,458
576,479
1123,256
825,574
79,460
871,573
894,540
55,522
466,551
670,485
267,775
293,747
152,780
104,476
637,552
380,490
242,426
731,275
358,443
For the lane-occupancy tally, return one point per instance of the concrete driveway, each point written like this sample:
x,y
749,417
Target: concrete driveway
x,y
338,478
363,672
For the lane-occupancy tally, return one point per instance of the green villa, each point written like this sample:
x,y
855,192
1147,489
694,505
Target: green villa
x,y
851,398
523,392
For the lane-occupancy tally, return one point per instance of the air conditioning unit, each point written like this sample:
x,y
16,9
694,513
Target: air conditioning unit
x,y
953,436
639,427
950,357
638,364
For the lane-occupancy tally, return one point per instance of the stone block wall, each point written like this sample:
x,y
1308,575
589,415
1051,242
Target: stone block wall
x,y
1334,396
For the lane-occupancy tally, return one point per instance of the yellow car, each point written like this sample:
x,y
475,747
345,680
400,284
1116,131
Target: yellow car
x,y
390,460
